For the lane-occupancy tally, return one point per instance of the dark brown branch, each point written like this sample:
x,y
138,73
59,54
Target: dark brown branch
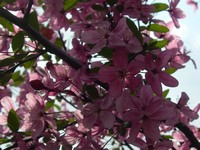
x,y
28,10
50,47
189,134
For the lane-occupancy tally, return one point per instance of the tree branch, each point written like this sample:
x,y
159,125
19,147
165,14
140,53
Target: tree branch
x,y
189,134
28,10
50,47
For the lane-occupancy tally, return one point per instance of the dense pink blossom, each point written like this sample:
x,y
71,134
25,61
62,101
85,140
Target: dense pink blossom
x,y
101,88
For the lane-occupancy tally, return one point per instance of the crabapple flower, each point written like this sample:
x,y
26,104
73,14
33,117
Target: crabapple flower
x,y
7,104
155,74
98,36
146,113
121,74
184,109
193,3
175,13
99,111
35,118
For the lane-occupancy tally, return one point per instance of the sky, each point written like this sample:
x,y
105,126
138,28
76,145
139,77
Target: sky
x,y
189,77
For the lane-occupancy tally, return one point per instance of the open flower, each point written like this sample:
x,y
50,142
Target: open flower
x,y
146,113
35,118
121,74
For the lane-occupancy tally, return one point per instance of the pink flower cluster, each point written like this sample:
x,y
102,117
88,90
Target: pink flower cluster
x,y
126,56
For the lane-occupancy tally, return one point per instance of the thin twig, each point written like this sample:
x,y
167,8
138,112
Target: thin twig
x,y
28,10
63,43
189,134
50,47
10,70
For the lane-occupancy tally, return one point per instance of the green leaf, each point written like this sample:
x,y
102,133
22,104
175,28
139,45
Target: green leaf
x,y
33,20
157,28
49,104
10,61
92,91
170,70
9,1
5,77
98,7
160,7
6,24
165,93
111,2
134,30
69,4
17,78
30,63
162,43
61,124
13,121
18,41
167,137
154,44
106,52
4,140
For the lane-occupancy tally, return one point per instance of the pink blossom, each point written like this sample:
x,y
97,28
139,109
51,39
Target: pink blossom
x,y
156,75
138,10
121,74
175,12
193,3
146,112
99,111
7,104
35,118
98,36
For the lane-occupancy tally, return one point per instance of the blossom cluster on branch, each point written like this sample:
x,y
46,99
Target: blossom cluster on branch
x,y
104,92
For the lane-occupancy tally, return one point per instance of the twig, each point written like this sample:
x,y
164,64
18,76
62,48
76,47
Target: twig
x,y
28,10
189,134
50,47
128,145
21,62
63,43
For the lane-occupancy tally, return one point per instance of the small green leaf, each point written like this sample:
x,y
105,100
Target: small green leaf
x,y
160,7
6,24
10,61
61,124
17,78
98,7
167,137
92,91
134,30
165,93
154,44
170,70
13,121
157,28
4,140
121,131
5,77
49,104
69,4
30,63
106,52
18,41
162,43
33,20
9,1
111,2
